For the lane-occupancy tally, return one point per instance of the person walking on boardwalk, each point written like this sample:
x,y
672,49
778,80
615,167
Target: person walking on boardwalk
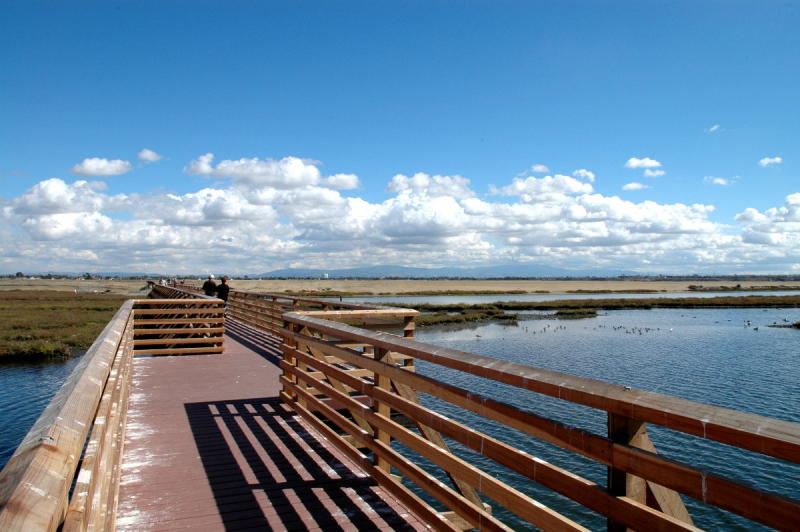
x,y
223,289
210,287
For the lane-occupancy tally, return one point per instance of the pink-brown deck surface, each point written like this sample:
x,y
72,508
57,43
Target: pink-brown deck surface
x,y
209,446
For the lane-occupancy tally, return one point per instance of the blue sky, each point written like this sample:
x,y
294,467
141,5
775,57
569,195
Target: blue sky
x,y
468,96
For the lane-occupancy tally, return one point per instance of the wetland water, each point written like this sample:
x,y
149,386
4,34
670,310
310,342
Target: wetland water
x,y
25,391
705,355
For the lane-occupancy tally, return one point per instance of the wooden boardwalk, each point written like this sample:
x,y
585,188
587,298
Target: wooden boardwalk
x,y
209,446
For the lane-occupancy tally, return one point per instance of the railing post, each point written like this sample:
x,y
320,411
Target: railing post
x,y
289,359
631,432
409,326
383,410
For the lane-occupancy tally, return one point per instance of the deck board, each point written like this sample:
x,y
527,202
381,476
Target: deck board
x,y
209,446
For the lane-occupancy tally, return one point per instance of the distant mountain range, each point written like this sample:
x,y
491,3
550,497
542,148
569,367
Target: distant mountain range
x,y
516,271
484,272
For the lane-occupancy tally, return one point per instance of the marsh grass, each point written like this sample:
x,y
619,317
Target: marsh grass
x,y
437,314
416,293
37,324
623,304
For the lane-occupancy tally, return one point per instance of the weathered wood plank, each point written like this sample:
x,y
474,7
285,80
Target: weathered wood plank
x,y
182,330
180,351
174,301
205,311
199,340
180,321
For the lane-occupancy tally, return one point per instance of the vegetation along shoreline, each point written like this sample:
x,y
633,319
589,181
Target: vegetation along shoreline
x,y
439,314
45,324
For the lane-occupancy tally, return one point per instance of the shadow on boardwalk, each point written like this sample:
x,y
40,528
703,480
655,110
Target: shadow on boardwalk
x,y
267,472
260,343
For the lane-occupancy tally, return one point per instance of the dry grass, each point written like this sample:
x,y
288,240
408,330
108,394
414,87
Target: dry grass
x,y
42,324
367,287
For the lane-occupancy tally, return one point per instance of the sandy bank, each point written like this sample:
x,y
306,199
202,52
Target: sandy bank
x,y
374,286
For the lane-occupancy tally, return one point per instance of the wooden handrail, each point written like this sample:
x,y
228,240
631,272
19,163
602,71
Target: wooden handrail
x,y
35,481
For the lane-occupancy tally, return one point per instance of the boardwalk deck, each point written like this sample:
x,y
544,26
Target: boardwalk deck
x,y
209,446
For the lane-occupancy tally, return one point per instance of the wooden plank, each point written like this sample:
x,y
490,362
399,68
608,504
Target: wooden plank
x,y
178,311
361,313
88,478
157,341
780,439
179,321
181,330
382,409
173,301
626,431
180,351
119,423
35,481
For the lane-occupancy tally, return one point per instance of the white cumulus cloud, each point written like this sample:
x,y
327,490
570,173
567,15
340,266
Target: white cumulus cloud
x,y
427,185
646,162
634,186
342,181
149,156
289,172
539,168
721,181
583,173
285,173
97,167
546,188
284,212
653,173
769,161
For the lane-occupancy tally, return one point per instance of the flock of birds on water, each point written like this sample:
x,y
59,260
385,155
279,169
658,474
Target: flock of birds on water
x,y
748,324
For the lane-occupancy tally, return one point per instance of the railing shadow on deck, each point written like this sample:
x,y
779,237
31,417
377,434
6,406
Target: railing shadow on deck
x,y
263,465
266,346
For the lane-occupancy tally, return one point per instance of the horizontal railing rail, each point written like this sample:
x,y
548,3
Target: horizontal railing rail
x,y
185,325
265,311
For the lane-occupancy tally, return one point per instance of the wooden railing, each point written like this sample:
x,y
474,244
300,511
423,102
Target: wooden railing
x,y
178,322
36,480
36,485
642,487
